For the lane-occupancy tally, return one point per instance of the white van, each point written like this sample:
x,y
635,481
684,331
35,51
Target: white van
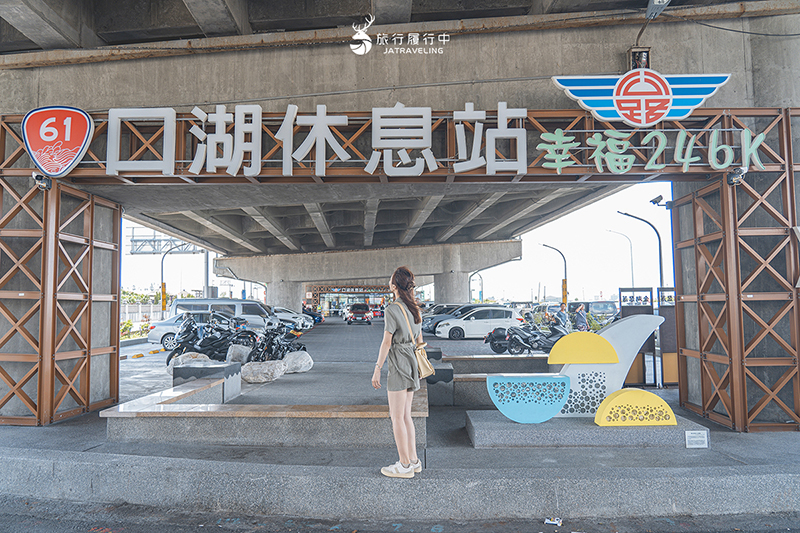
x,y
257,314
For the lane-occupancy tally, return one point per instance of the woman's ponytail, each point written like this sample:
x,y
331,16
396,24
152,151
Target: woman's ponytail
x,y
403,279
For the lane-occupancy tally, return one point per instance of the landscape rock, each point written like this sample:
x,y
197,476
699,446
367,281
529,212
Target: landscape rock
x,y
263,372
298,362
188,357
237,353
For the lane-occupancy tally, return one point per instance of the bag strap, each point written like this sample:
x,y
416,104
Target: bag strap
x,y
410,331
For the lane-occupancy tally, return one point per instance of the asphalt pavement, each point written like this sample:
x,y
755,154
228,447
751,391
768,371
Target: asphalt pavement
x,y
744,482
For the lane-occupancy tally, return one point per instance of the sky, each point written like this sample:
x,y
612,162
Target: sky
x,y
598,261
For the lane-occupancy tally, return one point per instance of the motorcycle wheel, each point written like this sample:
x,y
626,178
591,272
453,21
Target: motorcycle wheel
x,y
497,347
515,347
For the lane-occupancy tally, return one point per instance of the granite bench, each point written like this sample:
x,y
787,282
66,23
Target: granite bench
x,y
194,412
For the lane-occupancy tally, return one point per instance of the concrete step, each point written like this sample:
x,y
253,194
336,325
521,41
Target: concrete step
x,y
498,364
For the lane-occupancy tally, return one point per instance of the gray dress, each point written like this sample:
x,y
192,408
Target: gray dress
x,y
403,373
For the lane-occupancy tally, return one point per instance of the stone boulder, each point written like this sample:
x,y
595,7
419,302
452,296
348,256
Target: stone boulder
x,y
188,357
237,353
263,372
298,362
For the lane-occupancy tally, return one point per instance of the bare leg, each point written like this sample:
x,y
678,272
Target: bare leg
x,y
410,431
397,401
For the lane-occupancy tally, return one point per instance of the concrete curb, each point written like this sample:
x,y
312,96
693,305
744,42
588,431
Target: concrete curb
x,y
362,493
132,342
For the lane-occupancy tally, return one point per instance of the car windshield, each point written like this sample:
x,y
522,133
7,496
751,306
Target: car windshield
x,y
603,308
361,308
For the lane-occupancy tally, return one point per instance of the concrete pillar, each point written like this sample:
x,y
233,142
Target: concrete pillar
x,y
451,287
286,294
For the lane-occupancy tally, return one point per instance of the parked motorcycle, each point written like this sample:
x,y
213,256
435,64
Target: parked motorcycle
x,y
532,338
224,331
496,339
274,344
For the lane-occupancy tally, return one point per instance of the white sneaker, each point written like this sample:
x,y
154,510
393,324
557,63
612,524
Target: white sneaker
x,y
398,470
417,466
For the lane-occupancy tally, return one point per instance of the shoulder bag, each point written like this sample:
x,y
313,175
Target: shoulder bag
x,y
423,364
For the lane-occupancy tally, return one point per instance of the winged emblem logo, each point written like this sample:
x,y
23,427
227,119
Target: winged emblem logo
x,y
642,97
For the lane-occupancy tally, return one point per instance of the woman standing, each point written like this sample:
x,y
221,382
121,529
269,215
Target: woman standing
x,y
581,323
401,334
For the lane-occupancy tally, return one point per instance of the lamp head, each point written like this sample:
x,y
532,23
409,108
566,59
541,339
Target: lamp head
x,y
736,176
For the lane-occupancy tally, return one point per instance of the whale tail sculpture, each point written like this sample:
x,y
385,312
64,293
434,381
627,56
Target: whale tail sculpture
x,y
590,383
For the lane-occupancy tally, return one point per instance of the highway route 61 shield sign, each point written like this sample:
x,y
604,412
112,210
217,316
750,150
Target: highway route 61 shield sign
x,y
57,138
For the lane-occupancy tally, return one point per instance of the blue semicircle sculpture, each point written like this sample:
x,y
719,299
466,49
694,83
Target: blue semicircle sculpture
x,y
528,398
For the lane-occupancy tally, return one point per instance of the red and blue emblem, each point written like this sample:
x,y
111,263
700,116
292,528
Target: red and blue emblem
x,y
641,98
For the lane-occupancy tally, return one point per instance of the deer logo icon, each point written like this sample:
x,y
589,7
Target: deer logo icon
x,y
362,43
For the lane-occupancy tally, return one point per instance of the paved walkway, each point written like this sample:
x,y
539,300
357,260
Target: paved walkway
x,y
740,473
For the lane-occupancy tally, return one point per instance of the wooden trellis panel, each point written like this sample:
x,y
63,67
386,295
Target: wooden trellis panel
x,y
52,281
743,299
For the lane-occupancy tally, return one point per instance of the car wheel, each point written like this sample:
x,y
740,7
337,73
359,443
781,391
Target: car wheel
x,y
369,323
456,334
349,323
168,341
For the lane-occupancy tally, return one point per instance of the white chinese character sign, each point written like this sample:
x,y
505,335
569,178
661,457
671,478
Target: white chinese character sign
x,y
414,142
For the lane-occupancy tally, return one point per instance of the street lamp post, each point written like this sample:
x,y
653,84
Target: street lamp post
x,y
633,284
163,287
564,282
660,255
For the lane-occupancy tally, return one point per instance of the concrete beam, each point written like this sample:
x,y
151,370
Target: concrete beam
x,y
160,226
380,263
271,226
41,24
318,217
515,214
467,216
220,17
392,11
222,229
370,217
419,218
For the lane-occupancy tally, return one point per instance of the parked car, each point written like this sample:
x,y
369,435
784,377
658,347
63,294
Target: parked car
x,y
542,312
293,318
317,317
477,322
163,332
377,311
440,309
359,313
258,315
599,313
429,323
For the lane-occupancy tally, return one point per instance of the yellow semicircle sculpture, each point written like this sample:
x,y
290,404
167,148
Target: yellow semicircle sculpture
x,y
634,407
582,347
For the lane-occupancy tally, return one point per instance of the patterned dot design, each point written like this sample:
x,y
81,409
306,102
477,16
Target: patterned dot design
x,y
628,414
587,394
530,392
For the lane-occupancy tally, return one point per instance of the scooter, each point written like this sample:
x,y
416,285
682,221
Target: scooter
x,y
224,332
532,338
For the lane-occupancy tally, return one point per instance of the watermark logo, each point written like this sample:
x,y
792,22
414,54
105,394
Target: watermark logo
x,y
642,97
362,43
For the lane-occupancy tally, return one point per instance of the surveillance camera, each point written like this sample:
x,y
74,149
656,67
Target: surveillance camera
x,y
736,175
656,200
43,183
